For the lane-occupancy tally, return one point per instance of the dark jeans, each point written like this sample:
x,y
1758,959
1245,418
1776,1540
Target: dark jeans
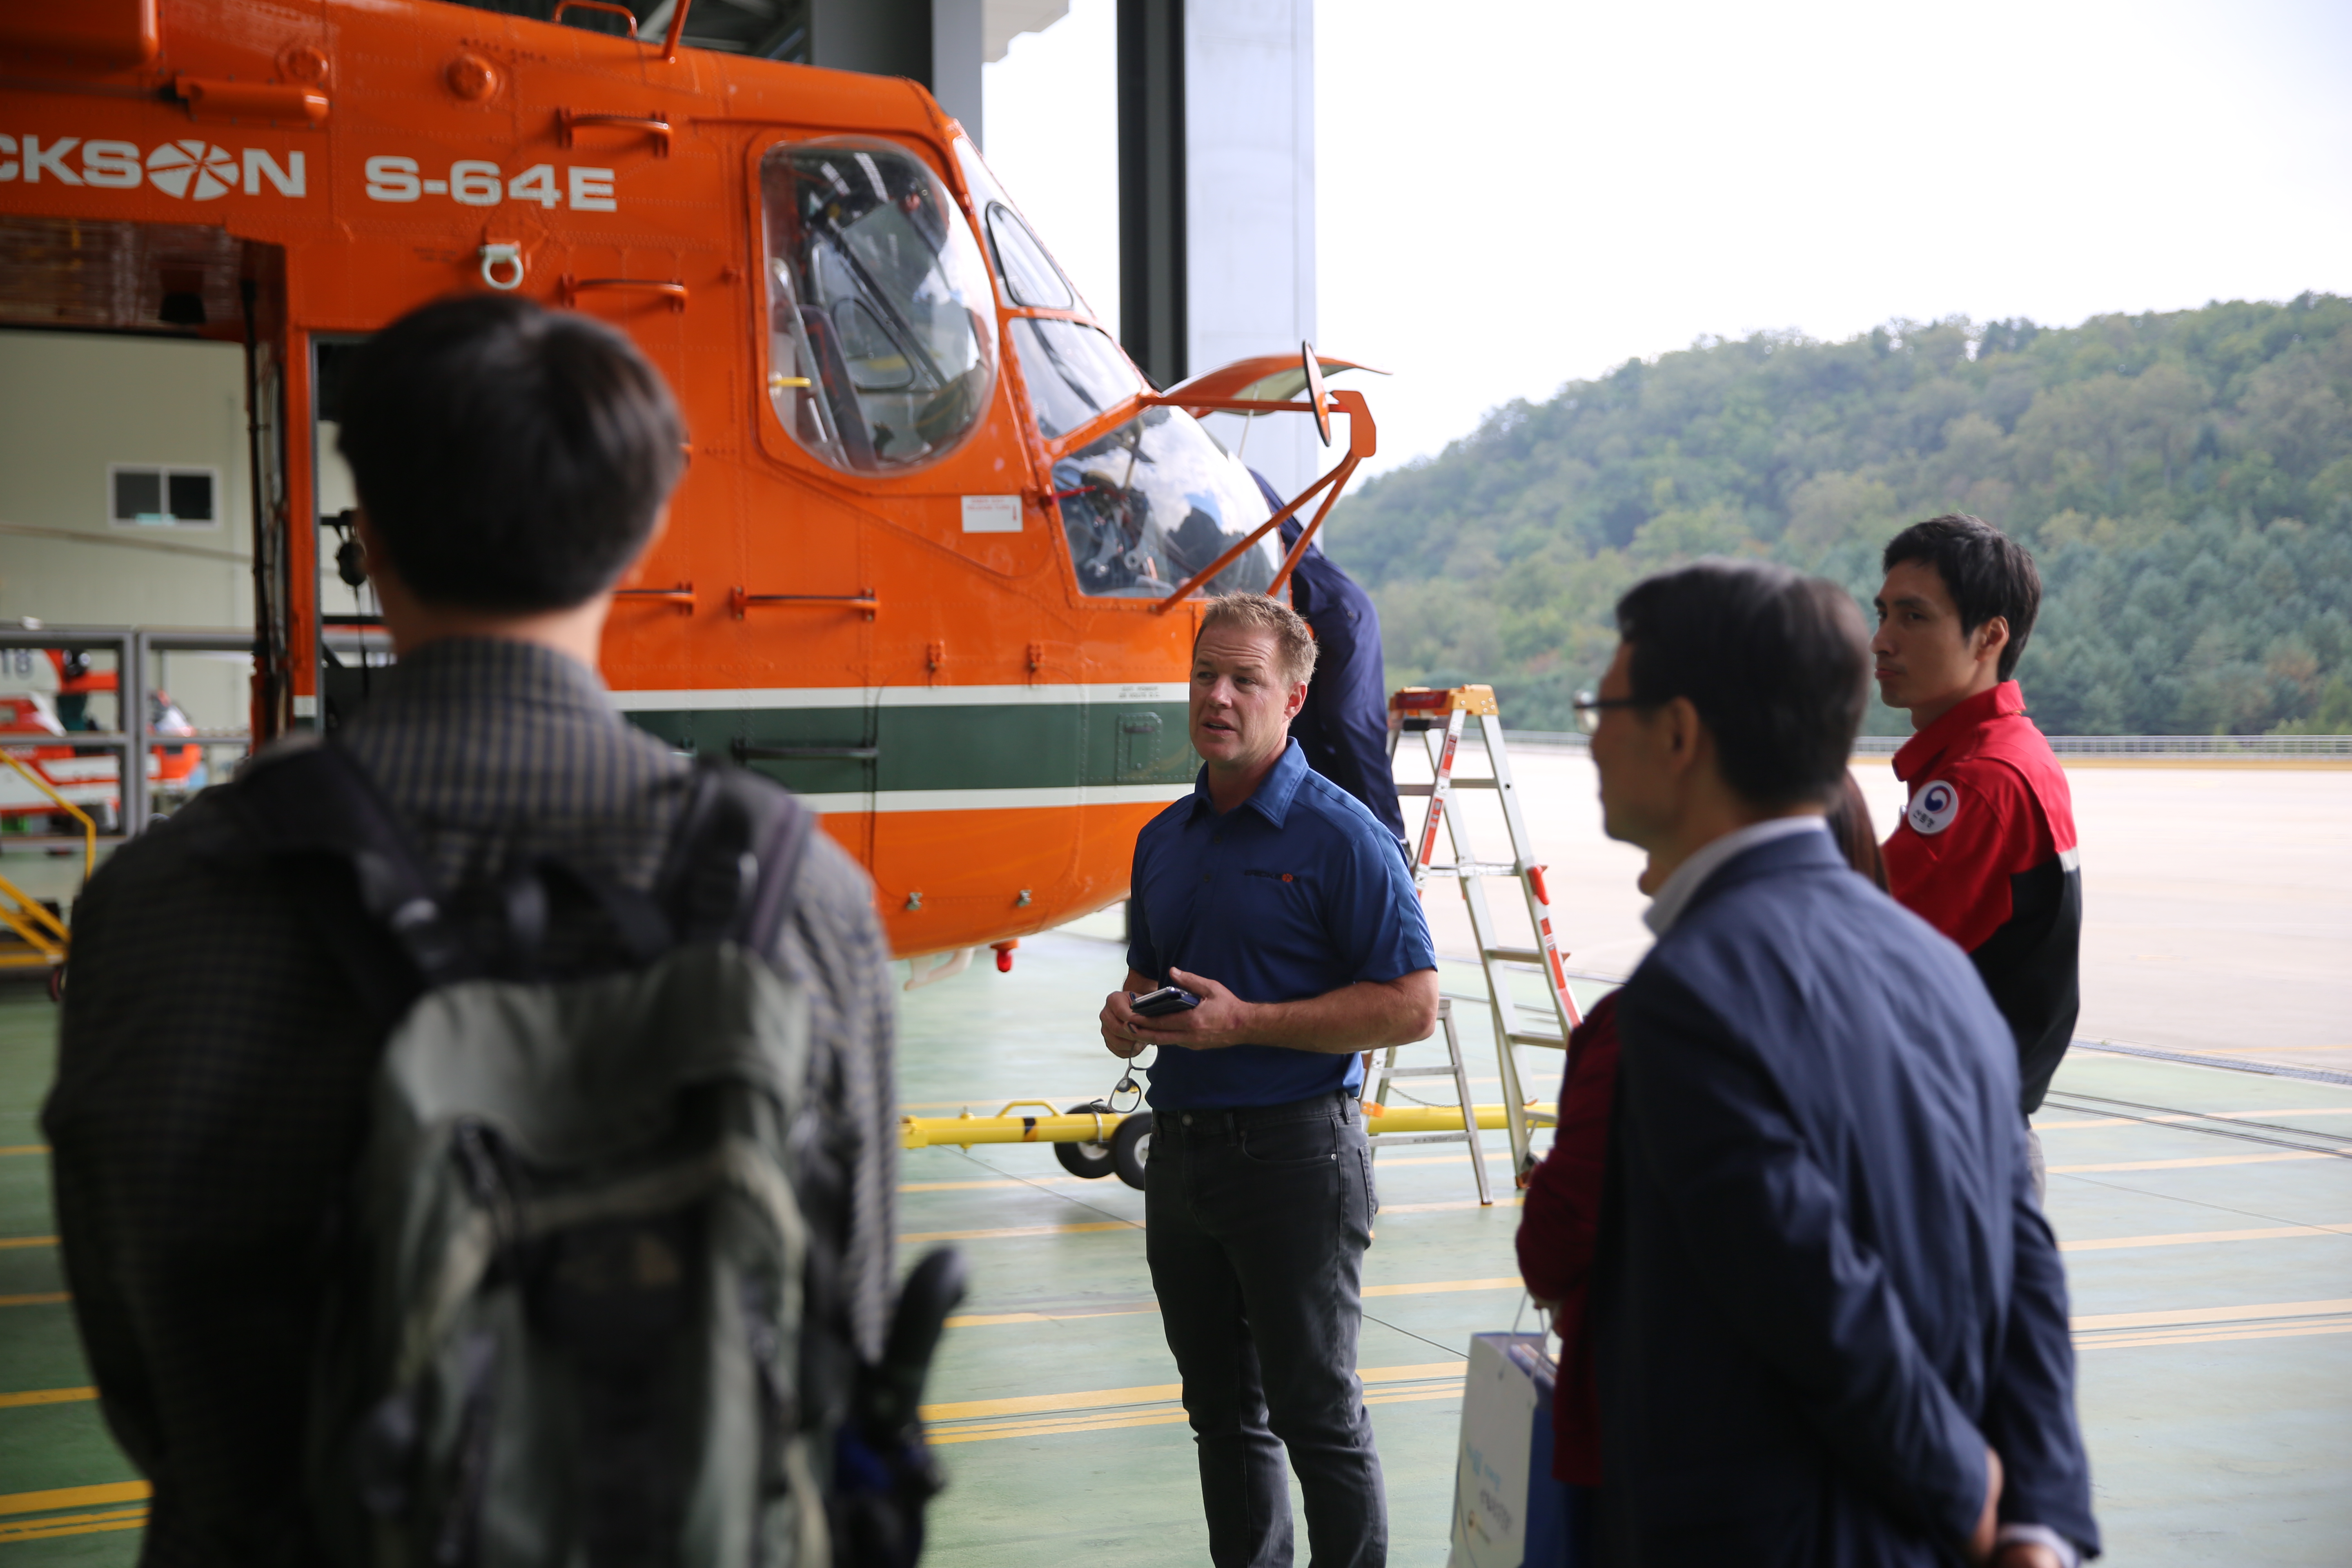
x,y
1255,1225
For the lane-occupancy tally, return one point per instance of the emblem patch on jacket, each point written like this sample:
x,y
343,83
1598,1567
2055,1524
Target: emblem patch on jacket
x,y
1932,809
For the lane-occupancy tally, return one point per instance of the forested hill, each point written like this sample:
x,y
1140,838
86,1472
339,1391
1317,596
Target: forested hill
x,y
2185,481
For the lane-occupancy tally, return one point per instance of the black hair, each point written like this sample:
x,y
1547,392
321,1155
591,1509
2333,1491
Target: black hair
x,y
1777,664
510,457
1848,819
1986,572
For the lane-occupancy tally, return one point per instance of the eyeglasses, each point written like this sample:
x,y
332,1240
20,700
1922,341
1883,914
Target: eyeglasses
x,y
1588,704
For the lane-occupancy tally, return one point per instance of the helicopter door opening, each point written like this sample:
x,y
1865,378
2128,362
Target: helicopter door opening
x,y
137,388
353,648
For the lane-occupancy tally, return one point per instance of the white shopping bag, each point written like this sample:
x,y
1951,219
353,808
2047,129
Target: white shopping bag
x,y
1505,1430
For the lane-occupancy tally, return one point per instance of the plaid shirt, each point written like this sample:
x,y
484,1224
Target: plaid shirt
x,y
213,1066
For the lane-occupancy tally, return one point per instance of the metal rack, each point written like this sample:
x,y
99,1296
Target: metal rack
x,y
131,647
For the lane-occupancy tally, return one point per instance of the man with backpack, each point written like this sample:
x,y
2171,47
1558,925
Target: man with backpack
x,y
606,1228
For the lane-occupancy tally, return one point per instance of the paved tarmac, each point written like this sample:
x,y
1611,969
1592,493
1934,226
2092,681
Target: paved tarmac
x,y
2217,900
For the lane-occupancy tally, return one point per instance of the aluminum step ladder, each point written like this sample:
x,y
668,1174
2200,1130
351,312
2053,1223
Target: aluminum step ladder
x,y
1453,1070
1438,716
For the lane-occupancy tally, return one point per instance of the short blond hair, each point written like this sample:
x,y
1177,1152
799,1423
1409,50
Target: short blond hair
x,y
1294,645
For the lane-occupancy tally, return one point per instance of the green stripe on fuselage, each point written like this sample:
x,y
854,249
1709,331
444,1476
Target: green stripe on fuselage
x,y
983,746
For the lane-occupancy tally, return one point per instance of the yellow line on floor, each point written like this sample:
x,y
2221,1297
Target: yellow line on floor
x,y
1454,1158
2129,1339
996,1319
73,1524
1165,1413
2198,1237
1426,1288
1093,1399
1442,1286
24,1149
1446,1287
10,1241
1012,1230
1109,1409
39,1299
1039,1403
2096,1244
46,1396
1507,1200
2208,1116
2268,1051
1051,1416
986,1104
2201,1317
2189,1164
75,1497
1453,1390
1503,1155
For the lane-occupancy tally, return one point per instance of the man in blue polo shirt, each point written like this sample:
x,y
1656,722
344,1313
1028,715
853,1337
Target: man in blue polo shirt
x,y
1277,899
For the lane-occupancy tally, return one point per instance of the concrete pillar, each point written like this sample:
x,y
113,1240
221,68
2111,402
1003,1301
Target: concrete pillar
x,y
1217,198
1249,181
968,34
1153,193
888,38
959,48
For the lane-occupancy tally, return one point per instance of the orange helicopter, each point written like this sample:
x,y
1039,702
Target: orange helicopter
x,y
939,551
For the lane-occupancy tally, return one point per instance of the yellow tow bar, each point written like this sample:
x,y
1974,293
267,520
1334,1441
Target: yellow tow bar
x,y
1054,1127
1379,1118
1096,1126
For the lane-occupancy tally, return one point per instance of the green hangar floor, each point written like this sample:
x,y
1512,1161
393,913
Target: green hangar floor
x,y
2206,1214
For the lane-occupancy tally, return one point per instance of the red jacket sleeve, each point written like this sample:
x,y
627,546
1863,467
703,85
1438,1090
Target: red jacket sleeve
x,y
1968,829
1559,1225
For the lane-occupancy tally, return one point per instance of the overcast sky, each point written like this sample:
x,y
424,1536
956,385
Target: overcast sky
x,y
1512,195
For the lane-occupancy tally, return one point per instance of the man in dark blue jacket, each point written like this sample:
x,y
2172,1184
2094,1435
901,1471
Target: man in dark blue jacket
x,y
1832,1320
1343,731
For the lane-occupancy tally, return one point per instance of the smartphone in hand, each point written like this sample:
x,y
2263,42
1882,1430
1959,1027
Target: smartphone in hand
x,y
1166,999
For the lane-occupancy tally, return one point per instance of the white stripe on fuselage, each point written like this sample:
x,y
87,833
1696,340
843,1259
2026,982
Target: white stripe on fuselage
x,y
1059,797
731,699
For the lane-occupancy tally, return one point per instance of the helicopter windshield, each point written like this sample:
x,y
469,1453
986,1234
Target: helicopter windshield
x,y
1147,505
1025,272
882,338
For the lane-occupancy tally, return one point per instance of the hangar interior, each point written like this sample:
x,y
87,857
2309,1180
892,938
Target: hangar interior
x,y
2205,1200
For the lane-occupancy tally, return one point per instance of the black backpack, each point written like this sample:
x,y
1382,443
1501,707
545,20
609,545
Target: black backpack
x,y
583,1306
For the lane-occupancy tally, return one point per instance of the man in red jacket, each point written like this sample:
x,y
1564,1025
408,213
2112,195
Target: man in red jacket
x,y
1985,852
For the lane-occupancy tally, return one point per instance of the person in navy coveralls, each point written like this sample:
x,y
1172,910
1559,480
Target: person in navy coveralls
x,y
1276,898
1343,730
1831,1319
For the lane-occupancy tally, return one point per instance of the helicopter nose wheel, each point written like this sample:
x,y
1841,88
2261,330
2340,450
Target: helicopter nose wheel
x,y
1091,1160
1131,1146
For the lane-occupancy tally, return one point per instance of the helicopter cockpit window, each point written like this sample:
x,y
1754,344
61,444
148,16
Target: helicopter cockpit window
x,y
1074,372
882,334
1030,276
1150,504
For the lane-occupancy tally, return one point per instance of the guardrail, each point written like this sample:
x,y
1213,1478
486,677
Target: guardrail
x,y
130,645
2252,748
